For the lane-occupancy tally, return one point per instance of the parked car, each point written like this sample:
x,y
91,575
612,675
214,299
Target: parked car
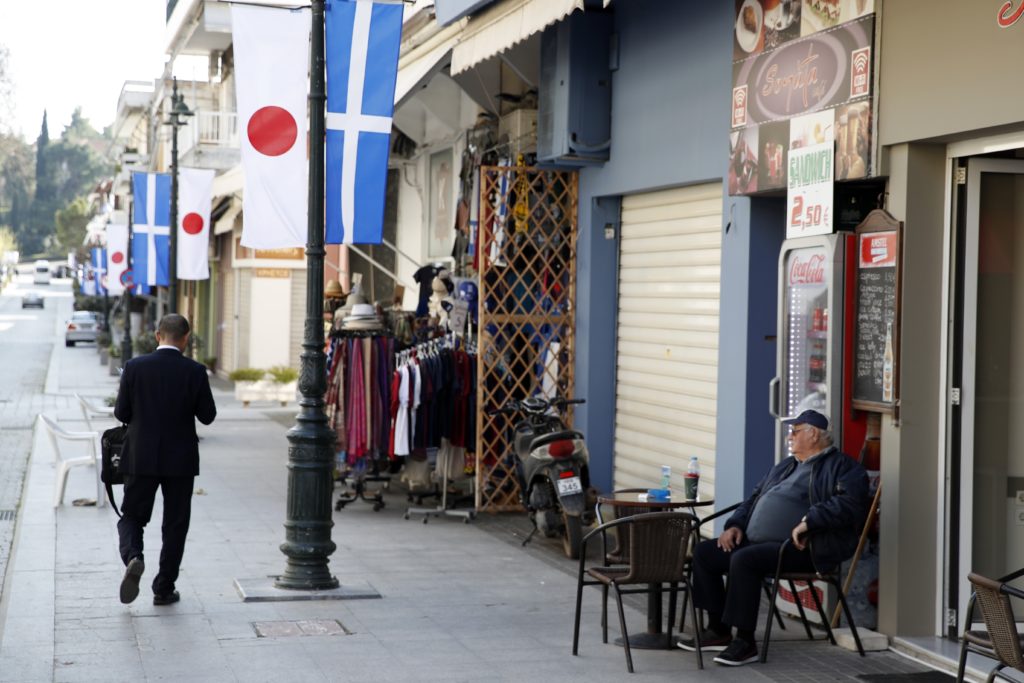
x,y
31,300
83,327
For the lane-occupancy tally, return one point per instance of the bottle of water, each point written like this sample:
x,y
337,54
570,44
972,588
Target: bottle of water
x,y
666,477
692,478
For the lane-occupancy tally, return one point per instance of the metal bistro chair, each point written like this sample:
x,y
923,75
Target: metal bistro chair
x,y
658,548
993,597
57,433
978,641
833,578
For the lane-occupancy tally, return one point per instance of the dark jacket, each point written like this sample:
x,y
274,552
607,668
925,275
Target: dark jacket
x,y
161,395
839,505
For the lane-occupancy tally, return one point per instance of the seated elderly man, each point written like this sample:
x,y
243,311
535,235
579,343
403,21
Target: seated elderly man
x,y
817,497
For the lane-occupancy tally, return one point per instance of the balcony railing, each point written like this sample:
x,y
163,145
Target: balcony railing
x,y
209,129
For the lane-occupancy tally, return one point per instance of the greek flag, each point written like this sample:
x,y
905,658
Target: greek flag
x,y
151,229
362,39
98,262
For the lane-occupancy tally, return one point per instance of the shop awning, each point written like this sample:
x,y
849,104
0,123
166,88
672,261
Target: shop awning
x,y
498,28
419,65
226,222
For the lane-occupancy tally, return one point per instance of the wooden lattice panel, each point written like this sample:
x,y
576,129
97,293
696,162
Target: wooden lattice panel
x,y
528,228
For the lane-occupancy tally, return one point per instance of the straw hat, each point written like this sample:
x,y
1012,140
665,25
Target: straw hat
x,y
333,290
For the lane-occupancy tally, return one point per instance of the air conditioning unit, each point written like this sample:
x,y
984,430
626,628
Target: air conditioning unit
x,y
575,93
520,127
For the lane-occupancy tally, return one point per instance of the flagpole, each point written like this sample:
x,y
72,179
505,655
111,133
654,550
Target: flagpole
x,y
308,524
178,109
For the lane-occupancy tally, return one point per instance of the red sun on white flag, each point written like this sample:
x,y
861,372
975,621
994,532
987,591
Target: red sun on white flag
x,y
192,223
117,257
272,131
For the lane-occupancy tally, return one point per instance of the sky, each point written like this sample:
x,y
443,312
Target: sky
x,y
69,53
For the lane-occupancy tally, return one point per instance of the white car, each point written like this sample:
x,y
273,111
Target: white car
x,y
83,327
31,300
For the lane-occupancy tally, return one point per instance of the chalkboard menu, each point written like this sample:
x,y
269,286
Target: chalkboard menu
x,y
876,328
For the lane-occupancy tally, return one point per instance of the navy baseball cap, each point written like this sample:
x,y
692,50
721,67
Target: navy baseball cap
x,y
808,417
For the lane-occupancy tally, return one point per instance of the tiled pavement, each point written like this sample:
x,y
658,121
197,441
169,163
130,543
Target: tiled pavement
x,y
459,602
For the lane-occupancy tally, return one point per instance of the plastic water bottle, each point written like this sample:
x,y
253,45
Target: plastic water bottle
x,y
666,477
692,478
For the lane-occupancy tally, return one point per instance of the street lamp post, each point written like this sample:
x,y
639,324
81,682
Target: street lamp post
x,y
126,338
308,525
178,110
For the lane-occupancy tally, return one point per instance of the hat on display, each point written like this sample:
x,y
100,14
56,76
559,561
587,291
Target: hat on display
x,y
808,417
333,290
363,310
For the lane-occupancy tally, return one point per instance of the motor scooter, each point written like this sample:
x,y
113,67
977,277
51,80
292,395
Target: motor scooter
x,y
551,464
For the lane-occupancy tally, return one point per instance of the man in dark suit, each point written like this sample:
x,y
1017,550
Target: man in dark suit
x,y
161,395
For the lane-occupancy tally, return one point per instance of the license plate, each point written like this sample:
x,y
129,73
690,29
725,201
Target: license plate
x,y
569,486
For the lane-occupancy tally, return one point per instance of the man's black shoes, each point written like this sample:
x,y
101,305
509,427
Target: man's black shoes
x,y
710,642
168,599
130,582
738,653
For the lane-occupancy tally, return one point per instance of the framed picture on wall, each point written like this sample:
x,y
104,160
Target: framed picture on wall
x,y
441,217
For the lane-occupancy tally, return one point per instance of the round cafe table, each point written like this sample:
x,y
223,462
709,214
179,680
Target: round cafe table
x,y
626,503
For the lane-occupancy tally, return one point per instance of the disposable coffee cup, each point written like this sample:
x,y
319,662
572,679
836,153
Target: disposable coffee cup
x,y
690,487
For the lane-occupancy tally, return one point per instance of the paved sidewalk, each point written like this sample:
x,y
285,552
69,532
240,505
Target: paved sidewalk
x,y
459,602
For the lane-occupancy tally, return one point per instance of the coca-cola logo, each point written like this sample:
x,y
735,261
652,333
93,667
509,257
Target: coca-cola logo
x,y
807,272
1008,16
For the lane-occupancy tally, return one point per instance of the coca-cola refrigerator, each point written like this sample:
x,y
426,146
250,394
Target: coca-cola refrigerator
x,y
815,336
815,357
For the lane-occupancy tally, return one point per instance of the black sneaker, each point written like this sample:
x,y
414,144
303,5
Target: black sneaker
x,y
738,653
709,642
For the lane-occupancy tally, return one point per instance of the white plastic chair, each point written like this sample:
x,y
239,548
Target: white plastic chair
x,y
91,410
56,434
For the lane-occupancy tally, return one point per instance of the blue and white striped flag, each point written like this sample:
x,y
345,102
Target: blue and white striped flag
x,y
362,40
151,228
98,263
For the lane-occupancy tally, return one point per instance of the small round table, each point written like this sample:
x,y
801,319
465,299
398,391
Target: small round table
x,y
628,503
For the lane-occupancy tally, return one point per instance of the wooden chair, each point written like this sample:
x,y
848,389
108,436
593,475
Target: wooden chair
x,y
993,597
91,410
833,578
659,545
56,433
978,641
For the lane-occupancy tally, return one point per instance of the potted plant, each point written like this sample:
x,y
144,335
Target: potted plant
x,y
145,343
211,363
114,354
102,345
250,385
285,379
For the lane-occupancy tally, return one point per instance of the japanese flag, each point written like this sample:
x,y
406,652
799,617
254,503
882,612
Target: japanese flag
x,y
271,73
195,193
117,257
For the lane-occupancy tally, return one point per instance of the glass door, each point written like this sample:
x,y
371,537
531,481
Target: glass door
x,y
990,517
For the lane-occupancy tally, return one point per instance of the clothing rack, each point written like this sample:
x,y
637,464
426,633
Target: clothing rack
x,y
426,349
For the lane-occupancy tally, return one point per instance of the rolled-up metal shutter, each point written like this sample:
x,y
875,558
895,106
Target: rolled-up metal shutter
x,y
667,369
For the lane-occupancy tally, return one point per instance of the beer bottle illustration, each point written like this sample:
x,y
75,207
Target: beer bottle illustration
x,y
887,366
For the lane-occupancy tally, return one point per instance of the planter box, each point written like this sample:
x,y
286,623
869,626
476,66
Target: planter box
x,y
265,390
104,357
115,365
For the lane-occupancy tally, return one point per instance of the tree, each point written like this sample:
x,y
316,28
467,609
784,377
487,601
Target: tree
x,y
71,222
6,90
16,182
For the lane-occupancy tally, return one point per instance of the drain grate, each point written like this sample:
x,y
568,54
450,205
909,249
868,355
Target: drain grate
x,y
6,515
304,627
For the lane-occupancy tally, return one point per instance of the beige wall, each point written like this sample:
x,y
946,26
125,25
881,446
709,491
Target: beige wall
x,y
947,66
911,522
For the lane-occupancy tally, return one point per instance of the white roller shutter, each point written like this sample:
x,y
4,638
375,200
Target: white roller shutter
x,y
667,369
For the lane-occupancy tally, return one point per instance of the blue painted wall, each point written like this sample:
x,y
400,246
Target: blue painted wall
x,y
670,127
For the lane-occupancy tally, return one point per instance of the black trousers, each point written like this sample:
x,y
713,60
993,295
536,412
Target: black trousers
x,y
137,508
746,568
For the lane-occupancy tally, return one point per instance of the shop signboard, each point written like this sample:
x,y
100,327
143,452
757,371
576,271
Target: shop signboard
x,y
809,175
792,59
